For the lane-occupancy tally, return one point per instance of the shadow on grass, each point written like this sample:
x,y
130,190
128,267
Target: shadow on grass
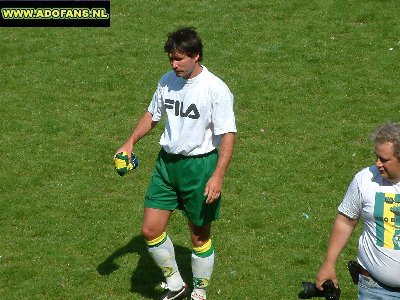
x,y
146,278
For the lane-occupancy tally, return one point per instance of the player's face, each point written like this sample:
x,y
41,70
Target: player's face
x,y
387,164
184,66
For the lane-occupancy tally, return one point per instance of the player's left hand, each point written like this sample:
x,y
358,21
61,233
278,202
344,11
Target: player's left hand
x,y
213,189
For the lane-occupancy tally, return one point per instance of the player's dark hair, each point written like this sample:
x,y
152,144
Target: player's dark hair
x,y
389,132
186,41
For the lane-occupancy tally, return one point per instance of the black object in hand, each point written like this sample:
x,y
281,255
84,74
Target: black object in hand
x,y
329,291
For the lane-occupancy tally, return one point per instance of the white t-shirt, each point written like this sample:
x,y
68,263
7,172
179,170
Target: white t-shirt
x,y
377,201
199,111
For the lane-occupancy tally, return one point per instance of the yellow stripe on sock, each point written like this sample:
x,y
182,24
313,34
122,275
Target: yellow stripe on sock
x,y
157,240
204,248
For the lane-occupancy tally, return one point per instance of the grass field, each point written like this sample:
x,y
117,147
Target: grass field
x,y
311,79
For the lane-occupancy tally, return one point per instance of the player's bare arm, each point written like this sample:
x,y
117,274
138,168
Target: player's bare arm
x,y
214,184
143,127
340,235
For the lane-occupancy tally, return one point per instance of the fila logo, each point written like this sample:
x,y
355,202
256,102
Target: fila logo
x,y
191,112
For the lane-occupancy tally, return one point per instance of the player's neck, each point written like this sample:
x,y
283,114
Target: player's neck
x,y
196,71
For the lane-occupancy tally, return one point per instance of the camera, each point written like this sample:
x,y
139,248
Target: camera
x,y
329,291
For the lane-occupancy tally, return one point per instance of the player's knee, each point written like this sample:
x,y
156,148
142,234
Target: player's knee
x,y
200,234
150,233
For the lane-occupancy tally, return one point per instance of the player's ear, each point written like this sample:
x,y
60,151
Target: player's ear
x,y
196,57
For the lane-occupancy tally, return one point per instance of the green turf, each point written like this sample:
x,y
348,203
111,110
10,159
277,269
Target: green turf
x,y
311,79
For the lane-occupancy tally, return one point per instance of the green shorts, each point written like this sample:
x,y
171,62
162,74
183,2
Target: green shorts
x,y
178,182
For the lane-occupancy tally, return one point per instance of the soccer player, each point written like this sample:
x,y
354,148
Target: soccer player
x,y
196,148
373,195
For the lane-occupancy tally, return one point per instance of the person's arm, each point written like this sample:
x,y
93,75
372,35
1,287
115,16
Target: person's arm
x,y
214,184
144,126
342,229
